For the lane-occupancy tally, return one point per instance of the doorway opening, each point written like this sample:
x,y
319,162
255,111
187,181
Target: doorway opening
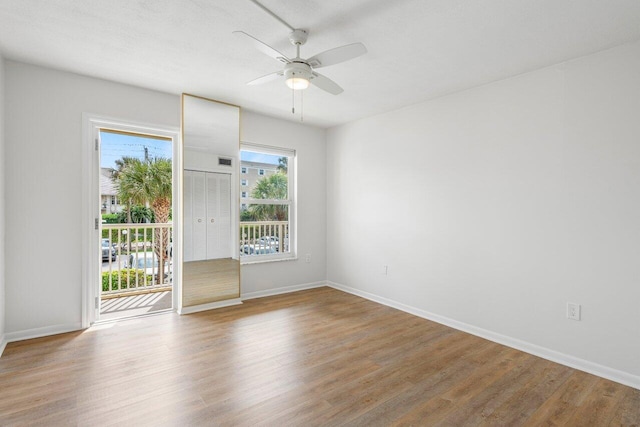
x,y
135,223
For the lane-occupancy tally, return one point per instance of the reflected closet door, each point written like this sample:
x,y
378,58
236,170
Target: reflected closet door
x,y
207,215
195,225
218,190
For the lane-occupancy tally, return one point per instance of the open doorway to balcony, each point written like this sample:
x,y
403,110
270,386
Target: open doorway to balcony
x,y
135,223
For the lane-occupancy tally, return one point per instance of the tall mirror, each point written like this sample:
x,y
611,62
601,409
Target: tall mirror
x,y
211,144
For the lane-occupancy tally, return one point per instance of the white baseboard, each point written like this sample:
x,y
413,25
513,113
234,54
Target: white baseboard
x,y
42,332
3,344
546,353
210,306
282,290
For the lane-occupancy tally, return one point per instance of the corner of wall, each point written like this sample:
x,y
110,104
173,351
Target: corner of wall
x,y
3,341
326,204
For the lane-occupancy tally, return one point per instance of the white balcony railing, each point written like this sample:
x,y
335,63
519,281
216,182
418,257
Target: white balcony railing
x,y
263,237
133,255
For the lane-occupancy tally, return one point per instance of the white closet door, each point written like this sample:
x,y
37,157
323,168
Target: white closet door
x,y
195,225
224,216
218,215
188,215
199,217
207,215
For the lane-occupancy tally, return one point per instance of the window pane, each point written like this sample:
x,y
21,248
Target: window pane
x,y
267,175
266,203
264,230
261,213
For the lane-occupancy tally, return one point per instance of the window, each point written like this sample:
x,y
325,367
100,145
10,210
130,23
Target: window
x,y
267,215
243,169
244,182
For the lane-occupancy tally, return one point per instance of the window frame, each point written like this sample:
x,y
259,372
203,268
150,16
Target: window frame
x,y
291,201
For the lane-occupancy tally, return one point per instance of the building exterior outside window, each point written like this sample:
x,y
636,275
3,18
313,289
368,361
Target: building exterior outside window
x,y
267,208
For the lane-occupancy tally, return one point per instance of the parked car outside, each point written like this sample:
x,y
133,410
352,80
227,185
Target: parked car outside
x,y
271,241
148,261
257,250
108,250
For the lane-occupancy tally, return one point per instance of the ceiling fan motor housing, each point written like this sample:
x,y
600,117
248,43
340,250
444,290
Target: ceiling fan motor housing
x,y
297,70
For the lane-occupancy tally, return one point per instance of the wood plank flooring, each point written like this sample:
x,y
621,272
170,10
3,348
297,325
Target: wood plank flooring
x,y
316,357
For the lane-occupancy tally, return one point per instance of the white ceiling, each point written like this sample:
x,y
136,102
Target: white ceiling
x,y
418,49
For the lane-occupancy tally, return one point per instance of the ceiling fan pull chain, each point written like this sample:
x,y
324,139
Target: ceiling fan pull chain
x,y
293,101
301,106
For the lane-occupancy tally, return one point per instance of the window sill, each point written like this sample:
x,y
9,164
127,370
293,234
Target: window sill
x,y
263,261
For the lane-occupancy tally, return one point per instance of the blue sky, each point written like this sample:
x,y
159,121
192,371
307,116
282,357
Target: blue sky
x,y
250,156
114,146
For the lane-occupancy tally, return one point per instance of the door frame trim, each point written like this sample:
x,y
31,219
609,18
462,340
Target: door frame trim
x,y
91,124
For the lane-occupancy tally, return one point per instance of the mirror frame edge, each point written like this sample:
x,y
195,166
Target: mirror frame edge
x,y
180,309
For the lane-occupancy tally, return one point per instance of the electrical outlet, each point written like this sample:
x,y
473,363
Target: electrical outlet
x,y
385,270
573,311
307,258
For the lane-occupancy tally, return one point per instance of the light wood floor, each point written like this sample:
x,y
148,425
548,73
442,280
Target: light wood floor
x,y
317,357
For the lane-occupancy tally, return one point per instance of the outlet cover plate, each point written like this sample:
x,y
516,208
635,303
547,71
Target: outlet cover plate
x,y
573,311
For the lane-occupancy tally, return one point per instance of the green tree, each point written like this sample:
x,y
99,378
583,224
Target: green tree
x,y
115,174
246,215
149,182
136,214
283,164
273,187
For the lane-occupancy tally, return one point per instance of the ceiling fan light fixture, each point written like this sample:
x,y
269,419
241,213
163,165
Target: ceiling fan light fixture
x,y
297,75
297,83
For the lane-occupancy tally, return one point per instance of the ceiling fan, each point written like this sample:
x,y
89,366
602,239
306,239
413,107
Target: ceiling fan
x,y
299,72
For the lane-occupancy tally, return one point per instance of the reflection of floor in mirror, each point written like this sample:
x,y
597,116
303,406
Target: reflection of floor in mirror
x,y
134,305
210,280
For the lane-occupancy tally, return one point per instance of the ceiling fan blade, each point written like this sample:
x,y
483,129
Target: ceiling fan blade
x,y
264,79
264,48
326,84
337,55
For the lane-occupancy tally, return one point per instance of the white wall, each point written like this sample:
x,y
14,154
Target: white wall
x,y
2,207
496,206
43,169
43,154
309,143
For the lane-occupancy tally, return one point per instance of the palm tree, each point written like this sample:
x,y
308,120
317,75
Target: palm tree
x,y
273,187
283,164
120,165
115,174
149,182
